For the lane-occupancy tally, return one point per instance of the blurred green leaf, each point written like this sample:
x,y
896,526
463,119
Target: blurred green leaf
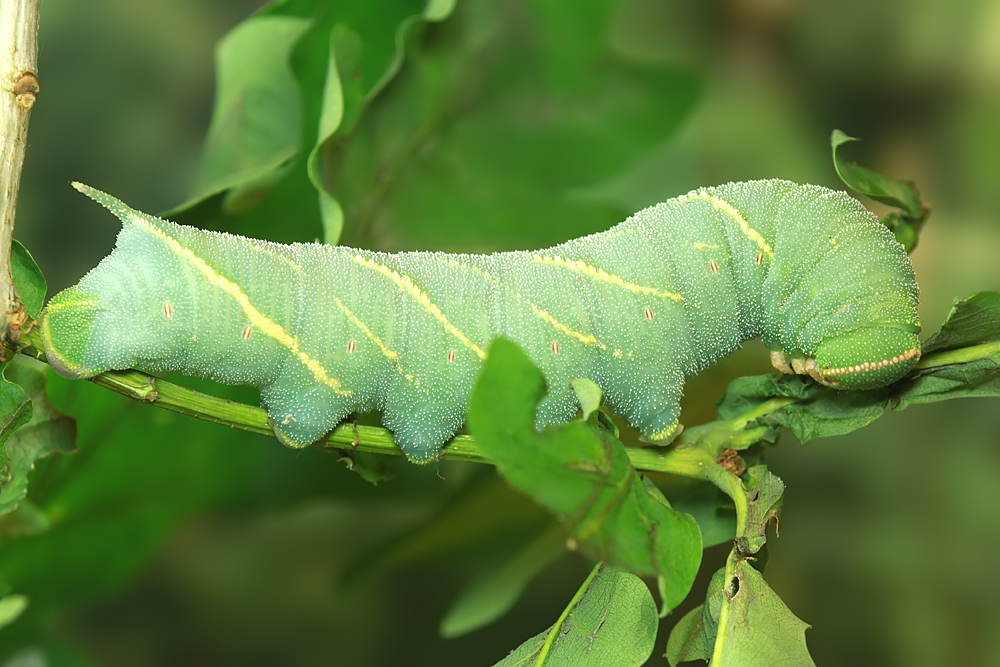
x,y
28,279
757,629
11,608
589,395
493,594
611,622
256,123
514,112
899,194
972,320
580,473
47,431
483,515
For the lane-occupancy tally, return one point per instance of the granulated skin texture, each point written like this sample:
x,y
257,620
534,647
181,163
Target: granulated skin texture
x,y
326,331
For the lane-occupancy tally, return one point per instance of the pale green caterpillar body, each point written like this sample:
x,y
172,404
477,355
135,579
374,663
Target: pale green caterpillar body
x,y
327,331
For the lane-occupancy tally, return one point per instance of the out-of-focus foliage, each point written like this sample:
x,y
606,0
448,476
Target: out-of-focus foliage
x,y
163,540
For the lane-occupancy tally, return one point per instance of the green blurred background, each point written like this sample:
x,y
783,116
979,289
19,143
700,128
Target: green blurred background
x,y
174,541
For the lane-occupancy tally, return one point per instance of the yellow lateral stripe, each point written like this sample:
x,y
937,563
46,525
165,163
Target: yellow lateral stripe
x,y
730,210
578,266
390,354
257,318
368,332
584,338
406,284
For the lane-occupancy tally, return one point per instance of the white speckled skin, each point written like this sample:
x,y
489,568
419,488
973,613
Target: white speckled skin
x,y
326,331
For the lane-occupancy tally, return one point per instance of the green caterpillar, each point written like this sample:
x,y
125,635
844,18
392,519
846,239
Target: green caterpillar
x,y
327,331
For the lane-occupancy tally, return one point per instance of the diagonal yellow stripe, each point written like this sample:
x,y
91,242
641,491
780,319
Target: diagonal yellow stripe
x,y
578,266
405,283
390,354
257,318
540,313
730,210
584,338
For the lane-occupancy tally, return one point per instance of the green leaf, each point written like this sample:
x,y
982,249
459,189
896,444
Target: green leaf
x,y
15,408
710,507
611,622
489,123
900,194
47,431
765,494
493,594
816,412
690,639
28,279
256,123
972,320
742,624
589,395
11,608
582,474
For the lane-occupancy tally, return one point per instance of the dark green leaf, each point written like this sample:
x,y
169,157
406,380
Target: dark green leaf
x,y
710,507
611,622
495,592
582,474
47,431
28,279
483,515
972,320
817,412
900,194
962,379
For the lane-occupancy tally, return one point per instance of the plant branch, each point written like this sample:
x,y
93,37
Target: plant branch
x,y
18,90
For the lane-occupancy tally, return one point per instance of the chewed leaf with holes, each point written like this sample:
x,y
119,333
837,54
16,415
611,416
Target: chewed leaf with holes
x,y
326,331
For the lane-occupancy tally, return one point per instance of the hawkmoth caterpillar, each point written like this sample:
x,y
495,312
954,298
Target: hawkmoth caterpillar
x,y
326,331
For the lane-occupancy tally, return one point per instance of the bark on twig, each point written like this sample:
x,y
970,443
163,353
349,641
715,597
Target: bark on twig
x,y
18,90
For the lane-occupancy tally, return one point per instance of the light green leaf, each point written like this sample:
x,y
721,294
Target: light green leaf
x,y
28,279
256,124
11,607
589,395
493,594
582,474
611,622
47,431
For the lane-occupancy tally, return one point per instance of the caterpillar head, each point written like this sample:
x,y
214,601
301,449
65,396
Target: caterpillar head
x,y
106,322
867,357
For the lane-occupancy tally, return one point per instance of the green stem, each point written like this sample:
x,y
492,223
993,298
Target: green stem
x,y
556,629
962,355
723,627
